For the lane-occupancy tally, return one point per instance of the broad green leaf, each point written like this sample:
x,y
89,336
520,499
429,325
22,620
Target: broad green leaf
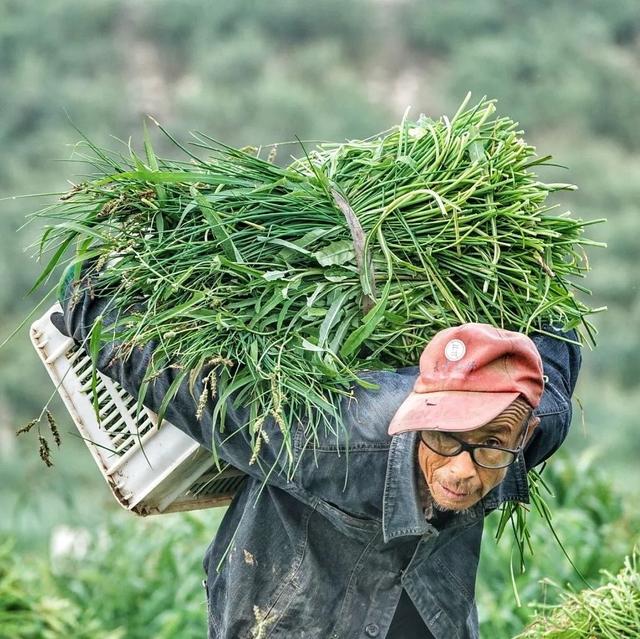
x,y
80,229
217,226
151,156
173,312
52,263
139,164
409,161
332,316
187,209
314,296
338,337
290,245
310,346
339,252
203,314
476,146
291,286
253,351
275,275
94,352
313,235
283,314
159,222
369,323
170,393
312,312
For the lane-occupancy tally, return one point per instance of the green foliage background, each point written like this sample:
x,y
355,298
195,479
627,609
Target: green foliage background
x,y
250,72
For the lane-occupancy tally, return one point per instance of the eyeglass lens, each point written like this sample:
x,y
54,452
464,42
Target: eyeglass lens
x,y
445,445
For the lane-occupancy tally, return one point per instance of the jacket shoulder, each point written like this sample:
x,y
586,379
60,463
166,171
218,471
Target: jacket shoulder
x,y
366,414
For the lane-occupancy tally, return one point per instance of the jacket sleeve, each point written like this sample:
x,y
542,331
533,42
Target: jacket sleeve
x,y
81,309
561,362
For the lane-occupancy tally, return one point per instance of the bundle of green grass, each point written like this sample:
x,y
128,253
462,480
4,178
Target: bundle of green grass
x,y
286,283
611,611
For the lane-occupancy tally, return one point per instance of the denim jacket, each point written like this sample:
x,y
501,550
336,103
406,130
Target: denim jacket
x,y
326,553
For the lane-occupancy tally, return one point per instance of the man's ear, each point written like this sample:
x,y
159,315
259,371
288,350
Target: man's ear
x,y
534,422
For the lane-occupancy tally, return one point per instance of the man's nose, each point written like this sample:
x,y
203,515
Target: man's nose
x,y
462,466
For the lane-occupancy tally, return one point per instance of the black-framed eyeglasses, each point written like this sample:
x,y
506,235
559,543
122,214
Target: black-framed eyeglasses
x,y
448,445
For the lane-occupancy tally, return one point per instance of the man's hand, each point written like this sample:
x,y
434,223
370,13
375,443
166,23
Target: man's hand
x,y
57,319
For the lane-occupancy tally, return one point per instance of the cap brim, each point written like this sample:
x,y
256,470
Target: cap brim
x,y
449,410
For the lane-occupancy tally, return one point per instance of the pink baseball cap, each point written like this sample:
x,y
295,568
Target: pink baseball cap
x,y
468,375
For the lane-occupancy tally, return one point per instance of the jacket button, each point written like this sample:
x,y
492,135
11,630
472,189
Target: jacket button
x,y
372,630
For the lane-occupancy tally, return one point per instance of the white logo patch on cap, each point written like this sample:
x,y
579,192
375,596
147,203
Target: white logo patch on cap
x,y
455,350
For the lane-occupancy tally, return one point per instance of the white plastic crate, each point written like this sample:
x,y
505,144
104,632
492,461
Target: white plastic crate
x,y
149,469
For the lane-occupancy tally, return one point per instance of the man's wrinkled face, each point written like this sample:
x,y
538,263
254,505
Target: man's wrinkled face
x,y
457,483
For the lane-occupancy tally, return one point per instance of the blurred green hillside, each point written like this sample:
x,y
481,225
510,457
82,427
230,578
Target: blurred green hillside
x,y
250,72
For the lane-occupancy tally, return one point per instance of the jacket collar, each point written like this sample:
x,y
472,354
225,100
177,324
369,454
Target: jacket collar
x,y
514,487
402,513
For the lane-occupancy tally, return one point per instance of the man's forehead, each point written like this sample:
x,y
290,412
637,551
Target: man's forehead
x,y
493,428
506,422
498,427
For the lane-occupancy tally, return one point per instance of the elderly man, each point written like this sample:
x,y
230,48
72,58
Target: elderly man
x,y
378,532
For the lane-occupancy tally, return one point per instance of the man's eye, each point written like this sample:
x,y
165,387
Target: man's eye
x,y
492,441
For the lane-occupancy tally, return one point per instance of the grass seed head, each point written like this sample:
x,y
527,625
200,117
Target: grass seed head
x,y
53,427
27,427
44,451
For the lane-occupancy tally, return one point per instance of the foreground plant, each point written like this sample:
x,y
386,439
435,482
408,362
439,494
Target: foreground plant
x,y
611,611
27,611
289,282
515,515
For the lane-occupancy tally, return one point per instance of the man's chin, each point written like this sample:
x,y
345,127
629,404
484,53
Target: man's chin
x,y
450,508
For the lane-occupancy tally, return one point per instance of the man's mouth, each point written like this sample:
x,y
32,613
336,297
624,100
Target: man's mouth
x,y
452,494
